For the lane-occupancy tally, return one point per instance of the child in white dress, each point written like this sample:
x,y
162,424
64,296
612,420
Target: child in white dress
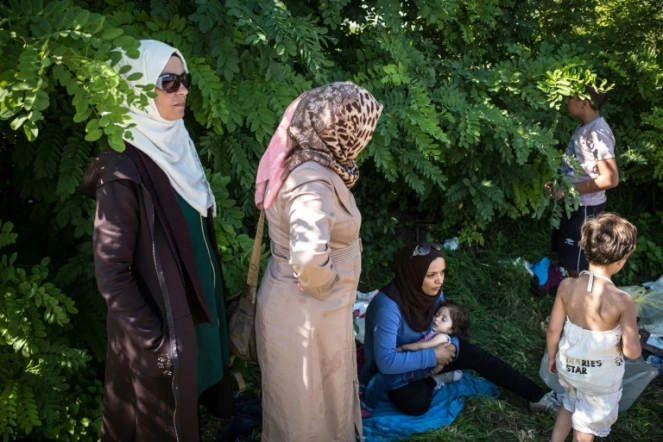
x,y
592,327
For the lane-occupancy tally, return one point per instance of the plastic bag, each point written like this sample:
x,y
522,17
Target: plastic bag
x,y
638,374
359,313
359,326
649,304
656,286
451,244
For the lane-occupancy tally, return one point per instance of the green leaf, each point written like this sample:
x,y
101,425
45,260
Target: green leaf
x,y
18,121
82,18
31,130
115,57
94,135
42,101
92,125
124,41
82,116
112,34
116,141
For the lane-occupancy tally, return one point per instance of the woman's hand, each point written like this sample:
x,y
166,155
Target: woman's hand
x,y
552,366
445,353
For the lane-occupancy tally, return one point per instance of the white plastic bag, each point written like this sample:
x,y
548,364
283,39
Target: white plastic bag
x,y
638,374
656,286
649,303
451,243
359,313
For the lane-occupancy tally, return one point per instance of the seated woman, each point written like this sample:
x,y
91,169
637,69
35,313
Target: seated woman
x,y
450,319
402,313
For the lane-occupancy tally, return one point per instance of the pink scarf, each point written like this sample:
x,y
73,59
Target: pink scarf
x,y
272,164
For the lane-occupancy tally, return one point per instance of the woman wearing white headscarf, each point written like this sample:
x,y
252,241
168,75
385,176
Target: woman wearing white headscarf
x,y
157,267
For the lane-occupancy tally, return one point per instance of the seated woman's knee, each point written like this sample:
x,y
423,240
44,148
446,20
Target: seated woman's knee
x,y
413,399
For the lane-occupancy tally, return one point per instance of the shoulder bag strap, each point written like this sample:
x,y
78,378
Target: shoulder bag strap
x,y
254,266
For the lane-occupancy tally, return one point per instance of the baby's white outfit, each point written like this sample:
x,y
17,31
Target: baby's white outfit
x,y
591,368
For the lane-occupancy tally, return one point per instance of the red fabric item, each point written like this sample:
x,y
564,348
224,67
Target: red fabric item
x,y
555,276
360,358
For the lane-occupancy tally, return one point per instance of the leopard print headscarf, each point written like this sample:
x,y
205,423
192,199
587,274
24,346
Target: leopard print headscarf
x,y
331,125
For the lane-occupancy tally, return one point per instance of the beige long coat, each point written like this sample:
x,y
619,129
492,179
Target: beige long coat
x,y
304,336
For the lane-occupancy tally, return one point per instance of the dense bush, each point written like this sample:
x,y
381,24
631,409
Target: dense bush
x,y
473,126
47,384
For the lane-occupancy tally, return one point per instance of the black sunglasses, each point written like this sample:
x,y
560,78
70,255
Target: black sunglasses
x,y
424,249
171,82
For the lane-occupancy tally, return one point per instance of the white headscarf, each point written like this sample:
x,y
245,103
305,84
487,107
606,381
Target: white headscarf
x,y
167,143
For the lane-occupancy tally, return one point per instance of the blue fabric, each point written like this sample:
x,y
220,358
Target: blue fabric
x,y
540,269
387,424
386,329
456,342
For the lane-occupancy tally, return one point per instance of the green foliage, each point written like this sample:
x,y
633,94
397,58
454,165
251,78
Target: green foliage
x,y
39,365
461,107
473,125
646,262
67,45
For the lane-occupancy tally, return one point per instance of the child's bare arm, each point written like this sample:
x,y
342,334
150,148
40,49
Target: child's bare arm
x,y
436,340
630,336
555,326
607,179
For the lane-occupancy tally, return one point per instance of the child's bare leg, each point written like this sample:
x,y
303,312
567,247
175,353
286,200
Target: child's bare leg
x,y
562,425
582,437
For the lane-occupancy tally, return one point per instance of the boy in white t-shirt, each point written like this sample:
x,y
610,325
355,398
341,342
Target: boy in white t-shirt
x,y
593,146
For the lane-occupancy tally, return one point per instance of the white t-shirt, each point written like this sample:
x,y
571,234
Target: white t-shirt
x,y
590,143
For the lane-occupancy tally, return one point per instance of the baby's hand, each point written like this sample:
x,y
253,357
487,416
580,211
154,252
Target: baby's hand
x,y
399,348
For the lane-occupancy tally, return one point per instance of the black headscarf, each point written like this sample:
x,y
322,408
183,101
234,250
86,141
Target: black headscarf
x,y
417,307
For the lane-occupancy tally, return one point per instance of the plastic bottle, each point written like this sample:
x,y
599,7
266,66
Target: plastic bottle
x,y
655,361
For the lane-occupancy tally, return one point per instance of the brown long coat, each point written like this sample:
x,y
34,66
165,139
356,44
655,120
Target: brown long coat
x,y
151,372
305,338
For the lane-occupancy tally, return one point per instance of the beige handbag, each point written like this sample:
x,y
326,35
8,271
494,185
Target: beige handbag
x,y
242,307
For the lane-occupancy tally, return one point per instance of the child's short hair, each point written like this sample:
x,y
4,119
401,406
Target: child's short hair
x,y
596,98
607,238
460,320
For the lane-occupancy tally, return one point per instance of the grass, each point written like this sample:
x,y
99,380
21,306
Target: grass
x,y
508,321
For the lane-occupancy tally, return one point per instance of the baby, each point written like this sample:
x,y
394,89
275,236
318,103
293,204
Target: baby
x,y
599,328
450,319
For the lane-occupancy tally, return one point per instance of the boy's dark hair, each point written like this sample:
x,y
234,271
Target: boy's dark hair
x,y
596,98
460,320
607,238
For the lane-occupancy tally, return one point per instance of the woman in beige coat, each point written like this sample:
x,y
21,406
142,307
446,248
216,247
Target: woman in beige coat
x,y
304,317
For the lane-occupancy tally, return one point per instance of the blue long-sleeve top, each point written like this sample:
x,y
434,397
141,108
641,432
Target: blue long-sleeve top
x,y
386,329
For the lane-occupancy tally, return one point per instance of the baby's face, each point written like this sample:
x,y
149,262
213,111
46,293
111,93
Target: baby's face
x,y
442,321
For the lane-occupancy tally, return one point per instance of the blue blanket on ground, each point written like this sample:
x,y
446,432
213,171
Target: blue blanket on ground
x,y
387,424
